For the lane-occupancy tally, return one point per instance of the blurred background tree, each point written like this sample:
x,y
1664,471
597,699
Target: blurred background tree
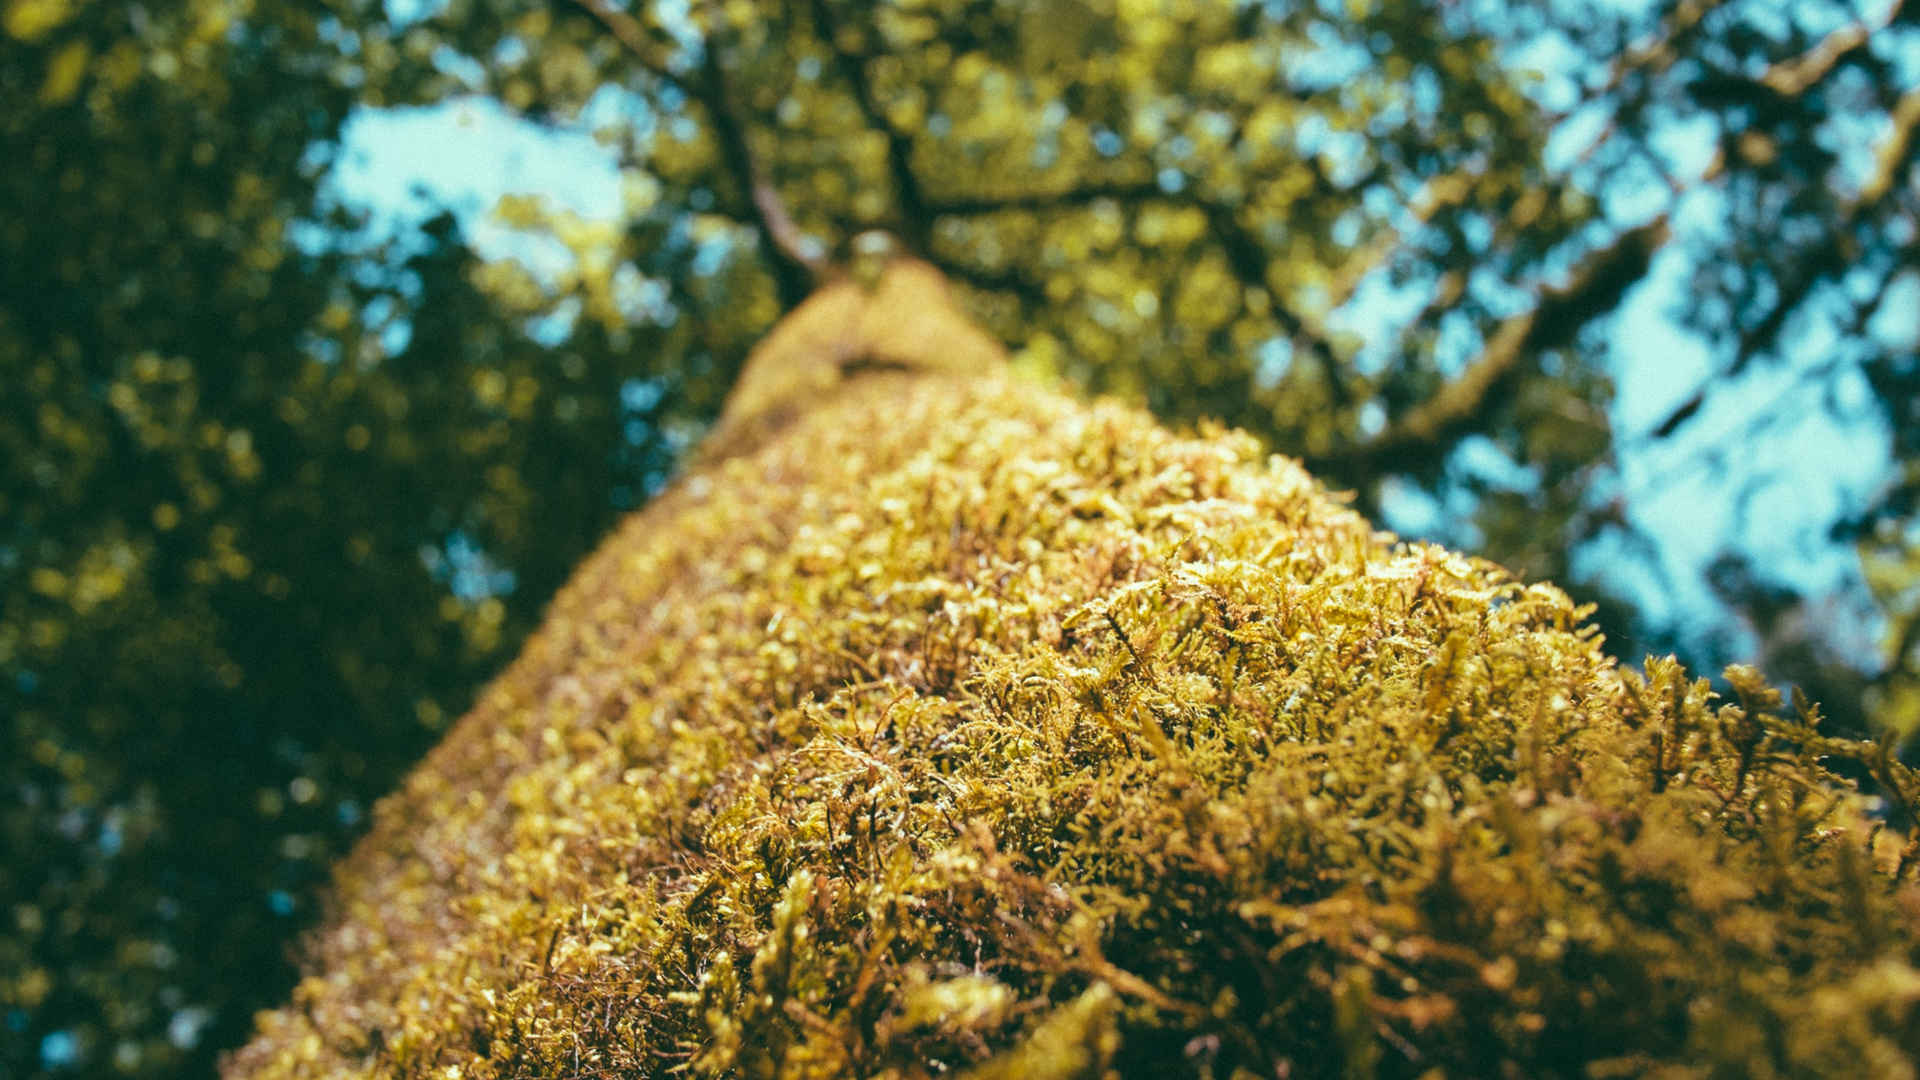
x,y
279,492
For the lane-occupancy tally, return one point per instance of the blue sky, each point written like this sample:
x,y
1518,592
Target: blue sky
x,y
405,165
1824,453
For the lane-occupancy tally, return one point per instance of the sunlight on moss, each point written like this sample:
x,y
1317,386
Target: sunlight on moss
x,y
939,723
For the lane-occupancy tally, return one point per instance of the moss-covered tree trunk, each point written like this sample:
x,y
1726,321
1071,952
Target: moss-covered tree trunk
x,y
937,723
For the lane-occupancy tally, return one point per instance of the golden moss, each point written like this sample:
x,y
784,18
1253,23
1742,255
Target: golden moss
x,y
939,723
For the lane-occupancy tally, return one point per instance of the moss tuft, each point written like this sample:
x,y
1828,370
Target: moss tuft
x,y
941,724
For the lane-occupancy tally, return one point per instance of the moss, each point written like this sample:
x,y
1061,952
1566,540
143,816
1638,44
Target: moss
x,y
939,723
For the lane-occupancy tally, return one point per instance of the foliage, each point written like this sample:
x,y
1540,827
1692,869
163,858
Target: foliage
x,y
944,724
273,499
219,633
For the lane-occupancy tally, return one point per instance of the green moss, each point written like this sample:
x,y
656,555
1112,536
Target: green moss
x,y
940,723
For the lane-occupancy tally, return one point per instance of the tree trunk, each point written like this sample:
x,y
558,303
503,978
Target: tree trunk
x,y
937,722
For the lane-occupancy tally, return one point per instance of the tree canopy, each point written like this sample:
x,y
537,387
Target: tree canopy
x,y
277,498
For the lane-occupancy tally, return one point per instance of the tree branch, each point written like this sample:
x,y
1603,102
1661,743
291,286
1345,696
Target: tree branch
x,y
1595,288
1448,190
799,263
1246,257
1660,51
1248,260
915,223
1438,193
1893,155
627,30
1795,76
1047,200
1831,260
1008,281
